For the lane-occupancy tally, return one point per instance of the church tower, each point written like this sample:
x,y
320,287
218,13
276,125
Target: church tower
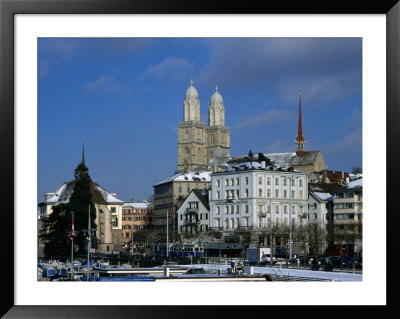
x,y
191,134
300,138
218,135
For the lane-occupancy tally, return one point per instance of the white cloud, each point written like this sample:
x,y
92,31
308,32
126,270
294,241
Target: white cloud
x,y
350,143
103,83
264,118
171,68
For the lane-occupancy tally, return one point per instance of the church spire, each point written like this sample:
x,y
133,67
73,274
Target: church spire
x,y
83,150
300,138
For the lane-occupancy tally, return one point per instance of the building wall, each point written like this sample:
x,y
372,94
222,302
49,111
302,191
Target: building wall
x,y
254,195
141,220
167,198
200,214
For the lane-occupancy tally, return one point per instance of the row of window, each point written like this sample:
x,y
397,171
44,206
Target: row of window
x,y
135,210
236,181
233,223
260,209
202,216
232,194
134,226
191,229
129,218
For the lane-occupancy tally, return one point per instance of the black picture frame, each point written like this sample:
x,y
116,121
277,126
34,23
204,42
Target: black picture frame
x,y
8,8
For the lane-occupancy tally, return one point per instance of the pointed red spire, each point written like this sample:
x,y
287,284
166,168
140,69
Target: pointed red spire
x,y
300,139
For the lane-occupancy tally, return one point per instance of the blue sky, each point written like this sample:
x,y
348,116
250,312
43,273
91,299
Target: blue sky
x,y
126,97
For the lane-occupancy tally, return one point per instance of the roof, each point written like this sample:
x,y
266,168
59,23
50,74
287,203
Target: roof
x,y
251,165
355,184
323,196
193,176
285,160
99,195
137,205
202,197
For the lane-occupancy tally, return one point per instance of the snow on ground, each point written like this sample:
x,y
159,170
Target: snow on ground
x,y
318,274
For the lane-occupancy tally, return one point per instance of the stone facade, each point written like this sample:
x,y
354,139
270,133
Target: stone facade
x,y
199,144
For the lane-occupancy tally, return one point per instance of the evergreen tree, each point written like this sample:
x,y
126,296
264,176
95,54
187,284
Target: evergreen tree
x,y
57,226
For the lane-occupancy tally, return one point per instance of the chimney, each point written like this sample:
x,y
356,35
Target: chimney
x,y
347,180
342,174
263,164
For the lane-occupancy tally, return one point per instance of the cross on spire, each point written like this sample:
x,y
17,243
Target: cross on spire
x,y
216,88
191,82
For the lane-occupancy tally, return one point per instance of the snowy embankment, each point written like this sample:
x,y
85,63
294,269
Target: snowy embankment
x,y
328,275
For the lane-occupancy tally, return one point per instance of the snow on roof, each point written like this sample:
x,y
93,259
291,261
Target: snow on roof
x,y
355,183
108,197
242,166
287,159
194,176
64,192
323,196
136,205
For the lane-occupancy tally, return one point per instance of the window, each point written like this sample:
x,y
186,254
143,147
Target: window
x,y
268,180
237,209
260,208
301,182
181,217
218,210
217,182
113,210
180,189
246,208
293,195
237,222
232,223
232,182
217,195
276,208
226,182
268,208
217,222
276,193
226,209
285,221
268,193
293,182
246,180
237,181
301,194
226,223
188,189
315,216
232,209
260,180
284,182
285,194
285,209
260,192
126,235
246,222
276,181
246,193
237,193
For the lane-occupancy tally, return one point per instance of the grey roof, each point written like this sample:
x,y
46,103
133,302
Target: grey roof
x,y
285,160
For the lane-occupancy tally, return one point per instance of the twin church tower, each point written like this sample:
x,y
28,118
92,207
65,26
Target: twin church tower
x,y
199,144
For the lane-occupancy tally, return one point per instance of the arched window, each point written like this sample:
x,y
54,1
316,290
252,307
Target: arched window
x,y
186,136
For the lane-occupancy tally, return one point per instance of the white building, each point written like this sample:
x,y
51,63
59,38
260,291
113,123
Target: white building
x,y
193,214
108,212
247,194
320,214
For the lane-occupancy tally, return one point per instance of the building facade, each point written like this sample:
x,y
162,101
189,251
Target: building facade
x,y
348,216
108,209
256,196
170,193
193,214
199,144
137,222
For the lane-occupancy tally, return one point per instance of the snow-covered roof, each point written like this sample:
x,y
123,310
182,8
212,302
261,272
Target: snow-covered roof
x,y
243,166
137,205
64,192
355,184
194,176
323,196
286,160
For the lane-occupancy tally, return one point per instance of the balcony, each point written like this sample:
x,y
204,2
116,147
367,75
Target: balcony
x,y
191,222
191,210
216,229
